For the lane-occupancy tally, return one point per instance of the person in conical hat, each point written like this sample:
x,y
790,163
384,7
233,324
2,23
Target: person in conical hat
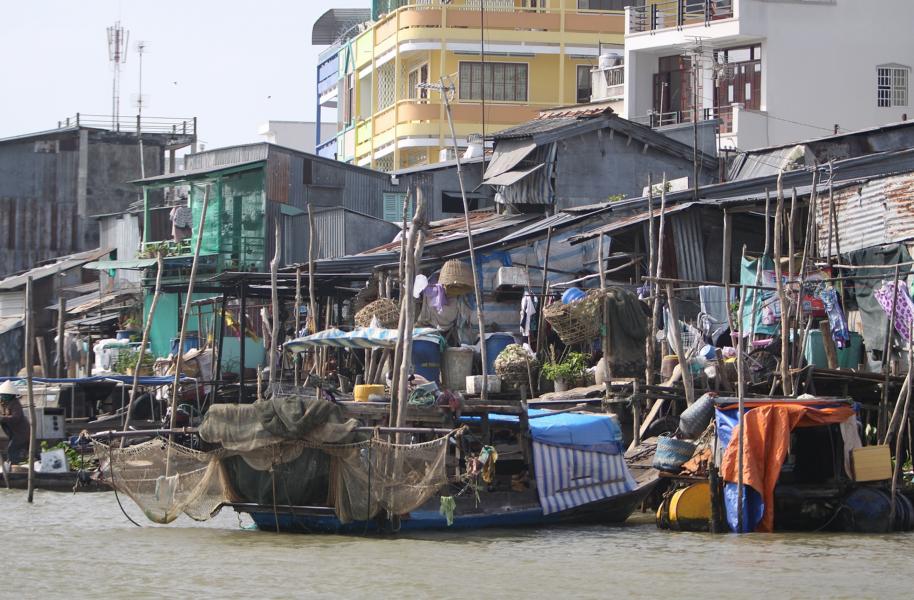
x,y
13,423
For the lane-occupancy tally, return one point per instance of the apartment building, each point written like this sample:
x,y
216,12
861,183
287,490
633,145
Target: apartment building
x,y
502,61
772,71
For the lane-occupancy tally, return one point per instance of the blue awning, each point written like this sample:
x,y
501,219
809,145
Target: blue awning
x,y
360,337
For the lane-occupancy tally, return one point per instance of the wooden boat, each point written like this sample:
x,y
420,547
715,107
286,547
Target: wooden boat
x,y
53,482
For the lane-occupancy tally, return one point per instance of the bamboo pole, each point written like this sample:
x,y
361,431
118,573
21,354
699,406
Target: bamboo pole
x,y
727,247
274,297
831,210
786,379
673,327
312,301
147,326
905,416
29,374
61,319
649,347
188,302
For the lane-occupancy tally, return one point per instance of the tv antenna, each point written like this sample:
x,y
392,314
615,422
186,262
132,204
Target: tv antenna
x,y
117,55
140,49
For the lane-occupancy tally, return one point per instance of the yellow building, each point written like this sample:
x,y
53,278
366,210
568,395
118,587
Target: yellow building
x,y
537,54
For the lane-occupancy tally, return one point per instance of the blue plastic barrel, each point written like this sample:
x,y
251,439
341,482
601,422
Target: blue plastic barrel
x,y
427,359
495,343
191,341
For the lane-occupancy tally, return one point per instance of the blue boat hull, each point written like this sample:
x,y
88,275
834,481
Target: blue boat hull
x,y
319,520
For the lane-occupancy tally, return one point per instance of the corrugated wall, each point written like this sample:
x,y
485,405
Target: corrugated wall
x,y
872,214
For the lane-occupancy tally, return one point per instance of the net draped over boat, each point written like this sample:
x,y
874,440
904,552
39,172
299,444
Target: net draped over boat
x,y
286,450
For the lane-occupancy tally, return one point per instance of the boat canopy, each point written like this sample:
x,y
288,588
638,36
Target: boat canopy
x,y
360,337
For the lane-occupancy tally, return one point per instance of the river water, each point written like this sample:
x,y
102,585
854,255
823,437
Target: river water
x,y
68,545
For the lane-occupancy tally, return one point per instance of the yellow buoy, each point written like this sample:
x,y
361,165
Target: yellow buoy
x,y
690,508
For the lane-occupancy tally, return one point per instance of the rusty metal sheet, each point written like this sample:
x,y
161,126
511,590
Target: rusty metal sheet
x,y
874,213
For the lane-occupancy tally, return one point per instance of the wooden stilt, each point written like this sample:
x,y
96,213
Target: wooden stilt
x,y
61,321
275,343
676,338
786,379
29,373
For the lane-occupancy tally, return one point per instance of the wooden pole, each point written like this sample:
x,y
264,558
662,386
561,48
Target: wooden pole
x,y
905,416
275,343
831,211
741,399
296,370
831,352
477,285
727,247
188,302
147,326
29,373
786,378
886,360
539,327
61,320
414,248
673,332
655,288
607,344
651,286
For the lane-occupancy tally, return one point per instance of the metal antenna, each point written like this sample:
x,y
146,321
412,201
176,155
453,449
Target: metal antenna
x,y
117,55
140,49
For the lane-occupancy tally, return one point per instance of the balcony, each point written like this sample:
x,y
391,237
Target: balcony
x,y
328,149
722,113
677,13
505,20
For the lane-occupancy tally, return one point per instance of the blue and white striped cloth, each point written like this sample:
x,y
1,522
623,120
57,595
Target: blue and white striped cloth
x,y
360,337
567,477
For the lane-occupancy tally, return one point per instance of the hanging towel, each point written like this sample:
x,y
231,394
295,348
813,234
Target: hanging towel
x,y
836,321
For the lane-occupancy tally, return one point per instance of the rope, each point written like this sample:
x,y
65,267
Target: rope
x,y
116,496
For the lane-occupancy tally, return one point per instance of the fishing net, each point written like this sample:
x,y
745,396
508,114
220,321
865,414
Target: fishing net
x,y
165,479
286,451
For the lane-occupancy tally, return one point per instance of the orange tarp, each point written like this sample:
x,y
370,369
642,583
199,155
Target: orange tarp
x,y
766,443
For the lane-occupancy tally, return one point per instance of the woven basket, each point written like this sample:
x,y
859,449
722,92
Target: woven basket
x,y
456,277
512,369
386,310
578,321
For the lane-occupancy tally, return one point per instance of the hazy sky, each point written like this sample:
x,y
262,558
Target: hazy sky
x,y
232,63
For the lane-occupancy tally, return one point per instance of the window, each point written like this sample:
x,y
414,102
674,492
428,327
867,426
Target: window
x,y
393,207
892,86
604,4
504,82
583,84
415,77
452,202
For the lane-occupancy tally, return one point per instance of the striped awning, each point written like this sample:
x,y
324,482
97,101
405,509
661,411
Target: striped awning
x,y
567,477
360,337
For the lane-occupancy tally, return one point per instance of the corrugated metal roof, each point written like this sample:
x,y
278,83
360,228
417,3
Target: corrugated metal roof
x,y
620,223
9,323
875,213
191,173
64,263
536,126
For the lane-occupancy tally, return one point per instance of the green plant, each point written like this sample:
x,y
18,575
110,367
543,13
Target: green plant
x,y
616,197
126,361
570,368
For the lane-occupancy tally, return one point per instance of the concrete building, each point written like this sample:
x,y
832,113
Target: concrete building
x,y
537,54
53,182
441,186
772,72
298,135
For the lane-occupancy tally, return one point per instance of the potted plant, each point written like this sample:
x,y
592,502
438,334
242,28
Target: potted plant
x,y
566,372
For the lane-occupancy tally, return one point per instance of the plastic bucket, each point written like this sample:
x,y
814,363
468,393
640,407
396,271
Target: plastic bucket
x,y
671,453
458,364
427,359
495,343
